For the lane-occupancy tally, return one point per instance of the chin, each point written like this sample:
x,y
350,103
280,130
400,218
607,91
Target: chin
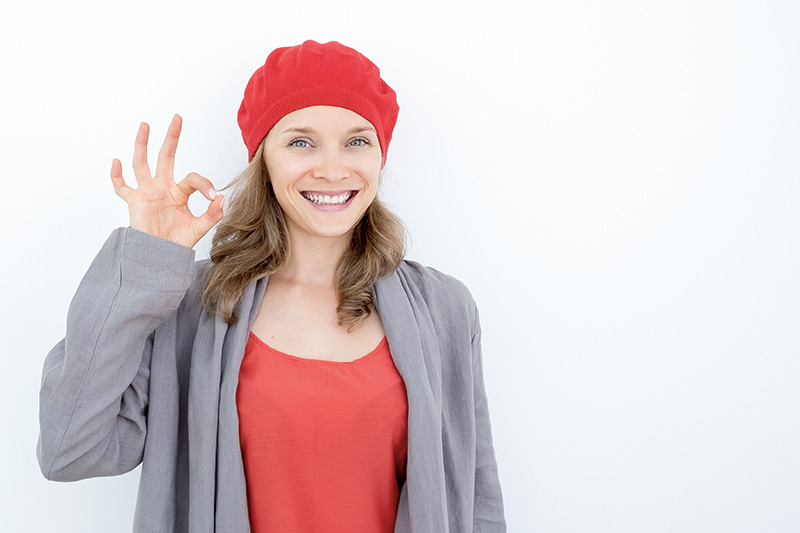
x,y
331,231
334,233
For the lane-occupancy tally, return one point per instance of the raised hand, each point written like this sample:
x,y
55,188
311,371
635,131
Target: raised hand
x,y
158,205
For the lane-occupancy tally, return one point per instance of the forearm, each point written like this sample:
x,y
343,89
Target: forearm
x,y
95,381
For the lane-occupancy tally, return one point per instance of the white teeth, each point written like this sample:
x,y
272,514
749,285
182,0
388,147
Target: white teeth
x,y
325,199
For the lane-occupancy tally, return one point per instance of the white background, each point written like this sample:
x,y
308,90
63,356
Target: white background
x,y
617,182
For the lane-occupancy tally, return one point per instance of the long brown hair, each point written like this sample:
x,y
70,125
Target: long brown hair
x,y
252,241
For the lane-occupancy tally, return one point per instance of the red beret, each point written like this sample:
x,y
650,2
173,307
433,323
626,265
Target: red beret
x,y
312,74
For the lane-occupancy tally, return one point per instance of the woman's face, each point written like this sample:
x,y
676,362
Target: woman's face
x,y
324,164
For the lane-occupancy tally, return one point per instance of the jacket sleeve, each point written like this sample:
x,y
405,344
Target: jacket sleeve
x,y
94,390
488,506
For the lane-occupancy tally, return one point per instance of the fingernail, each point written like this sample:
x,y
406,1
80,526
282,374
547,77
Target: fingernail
x,y
212,193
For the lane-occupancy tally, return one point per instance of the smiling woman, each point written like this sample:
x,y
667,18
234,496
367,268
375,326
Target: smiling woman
x,y
306,377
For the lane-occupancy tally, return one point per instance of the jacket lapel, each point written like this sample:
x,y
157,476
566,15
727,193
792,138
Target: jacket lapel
x,y
231,496
415,351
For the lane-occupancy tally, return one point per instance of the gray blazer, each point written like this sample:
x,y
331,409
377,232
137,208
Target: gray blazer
x,y
144,375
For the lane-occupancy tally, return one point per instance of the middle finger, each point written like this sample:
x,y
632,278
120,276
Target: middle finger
x,y
140,167
166,156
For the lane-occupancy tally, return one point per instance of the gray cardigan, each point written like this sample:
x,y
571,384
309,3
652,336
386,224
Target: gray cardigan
x,y
144,375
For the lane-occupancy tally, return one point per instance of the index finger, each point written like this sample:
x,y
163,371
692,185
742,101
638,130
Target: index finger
x,y
166,156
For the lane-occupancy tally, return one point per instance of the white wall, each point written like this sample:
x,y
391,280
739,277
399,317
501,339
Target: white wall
x,y
617,182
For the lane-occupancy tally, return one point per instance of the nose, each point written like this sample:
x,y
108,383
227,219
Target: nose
x,y
331,165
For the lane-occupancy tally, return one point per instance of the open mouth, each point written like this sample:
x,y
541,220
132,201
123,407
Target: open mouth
x,y
326,199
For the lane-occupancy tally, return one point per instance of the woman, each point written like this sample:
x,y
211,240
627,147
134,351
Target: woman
x,y
306,378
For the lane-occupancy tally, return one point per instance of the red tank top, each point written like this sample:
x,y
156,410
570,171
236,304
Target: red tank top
x,y
324,443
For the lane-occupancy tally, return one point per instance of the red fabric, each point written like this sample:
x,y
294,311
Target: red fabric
x,y
324,443
312,74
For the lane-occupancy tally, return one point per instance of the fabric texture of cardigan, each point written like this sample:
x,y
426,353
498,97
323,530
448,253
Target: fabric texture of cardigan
x,y
145,375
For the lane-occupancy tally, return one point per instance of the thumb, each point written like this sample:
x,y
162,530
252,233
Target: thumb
x,y
209,219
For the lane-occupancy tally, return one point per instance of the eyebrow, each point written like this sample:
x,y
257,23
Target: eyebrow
x,y
306,130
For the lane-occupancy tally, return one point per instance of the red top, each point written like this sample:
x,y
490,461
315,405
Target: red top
x,y
324,443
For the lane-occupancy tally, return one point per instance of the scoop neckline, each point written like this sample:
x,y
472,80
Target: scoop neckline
x,y
291,357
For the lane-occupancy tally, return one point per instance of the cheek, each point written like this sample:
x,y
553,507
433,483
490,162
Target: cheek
x,y
283,203
283,176
372,193
281,188
371,171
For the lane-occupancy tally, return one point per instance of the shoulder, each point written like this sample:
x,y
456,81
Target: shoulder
x,y
440,292
431,279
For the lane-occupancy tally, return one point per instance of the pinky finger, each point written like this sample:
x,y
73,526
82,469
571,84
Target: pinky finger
x,y
118,181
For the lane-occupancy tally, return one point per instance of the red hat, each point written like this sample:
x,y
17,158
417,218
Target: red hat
x,y
312,74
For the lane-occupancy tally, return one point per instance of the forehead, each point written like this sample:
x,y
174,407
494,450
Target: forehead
x,y
321,118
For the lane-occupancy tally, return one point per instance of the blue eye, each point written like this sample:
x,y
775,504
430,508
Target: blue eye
x,y
299,143
359,142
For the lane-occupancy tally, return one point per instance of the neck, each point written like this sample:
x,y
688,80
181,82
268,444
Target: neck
x,y
313,260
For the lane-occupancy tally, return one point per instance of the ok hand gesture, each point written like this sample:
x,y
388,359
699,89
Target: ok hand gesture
x,y
159,206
